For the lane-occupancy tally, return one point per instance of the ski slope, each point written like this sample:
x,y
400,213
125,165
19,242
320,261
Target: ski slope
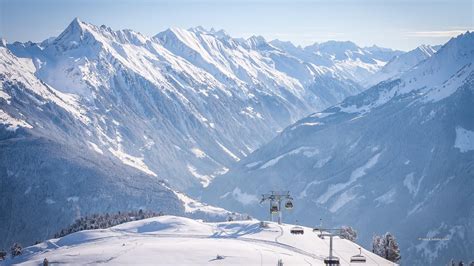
x,y
172,240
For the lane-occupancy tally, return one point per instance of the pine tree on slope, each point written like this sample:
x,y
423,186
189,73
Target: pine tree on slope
x,y
387,247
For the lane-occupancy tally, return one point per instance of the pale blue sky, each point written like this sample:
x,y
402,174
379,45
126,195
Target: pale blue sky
x,y
401,24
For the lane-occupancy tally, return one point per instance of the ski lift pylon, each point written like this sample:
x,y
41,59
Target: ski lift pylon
x,y
359,258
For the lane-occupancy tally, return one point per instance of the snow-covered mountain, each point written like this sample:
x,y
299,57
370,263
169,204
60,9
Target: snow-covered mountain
x,y
171,240
51,172
400,64
398,157
188,97
94,119
342,59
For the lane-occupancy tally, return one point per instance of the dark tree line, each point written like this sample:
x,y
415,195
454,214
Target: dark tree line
x,y
102,221
15,250
3,254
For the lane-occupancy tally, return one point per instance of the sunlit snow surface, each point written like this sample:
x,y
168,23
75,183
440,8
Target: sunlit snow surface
x,y
171,240
464,139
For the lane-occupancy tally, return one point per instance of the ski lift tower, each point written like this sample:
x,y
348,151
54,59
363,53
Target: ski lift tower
x,y
275,198
329,232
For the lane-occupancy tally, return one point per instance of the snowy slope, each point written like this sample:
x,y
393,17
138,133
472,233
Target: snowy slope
x,y
397,157
400,64
171,240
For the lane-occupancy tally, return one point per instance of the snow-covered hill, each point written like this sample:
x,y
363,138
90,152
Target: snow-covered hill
x,y
171,240
398,157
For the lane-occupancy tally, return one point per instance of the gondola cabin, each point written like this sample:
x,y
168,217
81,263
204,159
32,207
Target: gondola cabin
x,y
274,209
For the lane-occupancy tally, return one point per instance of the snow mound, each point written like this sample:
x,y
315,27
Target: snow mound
x,y
171,240
165,224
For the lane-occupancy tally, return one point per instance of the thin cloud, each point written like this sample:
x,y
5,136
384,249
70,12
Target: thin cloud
x,y
436,34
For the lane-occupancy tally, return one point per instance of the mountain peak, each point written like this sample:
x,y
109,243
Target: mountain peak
x,y
72,35
258,42
76,20
466,38
278,42
256,39
178,31
3,42
458,50
197,28
347,45
173,33
333,47
221,34
376,48
76,25
425,49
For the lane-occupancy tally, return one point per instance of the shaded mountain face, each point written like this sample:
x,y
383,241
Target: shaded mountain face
x,y
398,157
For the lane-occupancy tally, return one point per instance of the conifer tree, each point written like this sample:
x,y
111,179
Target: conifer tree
x,y
387,247
348,233
16,250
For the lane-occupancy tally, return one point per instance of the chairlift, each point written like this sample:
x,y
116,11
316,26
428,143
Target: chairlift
x,y
332,261
359,258
297,230
319,231
289,205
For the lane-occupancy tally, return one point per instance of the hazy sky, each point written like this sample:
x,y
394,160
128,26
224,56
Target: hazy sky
x,y
402,24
